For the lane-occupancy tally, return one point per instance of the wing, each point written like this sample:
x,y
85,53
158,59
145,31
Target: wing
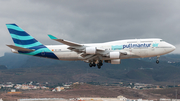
x,y
69,43
79,48
72,45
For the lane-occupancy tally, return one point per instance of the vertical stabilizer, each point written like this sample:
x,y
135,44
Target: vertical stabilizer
x,y
21,38
26,44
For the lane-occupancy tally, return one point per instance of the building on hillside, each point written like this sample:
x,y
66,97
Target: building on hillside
x,y
119,98
43,99
58,89
122,98
7,85
75,83
66,86
144,86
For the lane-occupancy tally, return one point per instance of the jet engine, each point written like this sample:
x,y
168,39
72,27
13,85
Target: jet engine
x,y
116,61
114,55
91,50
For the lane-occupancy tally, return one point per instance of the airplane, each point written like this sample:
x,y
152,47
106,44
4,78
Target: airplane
x,y
94,54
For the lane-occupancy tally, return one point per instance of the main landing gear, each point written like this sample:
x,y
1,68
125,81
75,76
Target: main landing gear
x,y
93,64
99,64
157,61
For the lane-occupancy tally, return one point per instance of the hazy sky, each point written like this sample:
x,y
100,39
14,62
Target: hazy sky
x,y
89,21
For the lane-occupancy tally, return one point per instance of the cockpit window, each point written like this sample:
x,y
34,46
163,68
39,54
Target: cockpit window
x,y
161,40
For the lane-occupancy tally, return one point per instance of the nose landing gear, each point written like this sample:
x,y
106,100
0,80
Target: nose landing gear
x,y
157,61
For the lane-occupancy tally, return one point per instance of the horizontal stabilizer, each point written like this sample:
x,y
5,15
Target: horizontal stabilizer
x,y
20,48
69,43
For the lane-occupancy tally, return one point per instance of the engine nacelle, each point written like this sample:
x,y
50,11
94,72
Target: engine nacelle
x,y
91,50
114,61
114,55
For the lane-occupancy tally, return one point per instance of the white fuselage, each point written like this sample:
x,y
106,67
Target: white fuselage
x,y
110,52
135,48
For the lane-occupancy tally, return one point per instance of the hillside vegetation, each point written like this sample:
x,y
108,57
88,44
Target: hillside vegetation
x,y
23,68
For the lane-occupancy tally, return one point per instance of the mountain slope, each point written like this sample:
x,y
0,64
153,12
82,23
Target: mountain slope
x,y
28,68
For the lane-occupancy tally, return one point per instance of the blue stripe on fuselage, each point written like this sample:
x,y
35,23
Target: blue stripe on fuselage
x,y
48,55
37,47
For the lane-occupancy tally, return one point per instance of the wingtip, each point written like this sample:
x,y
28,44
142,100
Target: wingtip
x,y
51,36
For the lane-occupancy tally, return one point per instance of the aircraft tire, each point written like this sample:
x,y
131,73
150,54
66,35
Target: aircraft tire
x,y
94,65
157,61
100,63
90,64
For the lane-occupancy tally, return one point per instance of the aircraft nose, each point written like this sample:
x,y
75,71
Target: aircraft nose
x,y
170,47
173,47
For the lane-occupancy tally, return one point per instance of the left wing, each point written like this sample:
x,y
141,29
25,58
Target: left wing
x,y
82,49
72,44
79,48
65,41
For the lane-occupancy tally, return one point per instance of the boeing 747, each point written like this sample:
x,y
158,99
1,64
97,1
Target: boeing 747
x,y
95,54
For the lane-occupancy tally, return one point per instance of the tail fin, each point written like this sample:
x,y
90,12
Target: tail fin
x,y
21,38
26,44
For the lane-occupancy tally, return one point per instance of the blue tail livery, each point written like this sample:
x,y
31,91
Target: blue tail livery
x,y
24,42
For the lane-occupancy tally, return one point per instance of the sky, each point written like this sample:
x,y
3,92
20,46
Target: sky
x,y
91,21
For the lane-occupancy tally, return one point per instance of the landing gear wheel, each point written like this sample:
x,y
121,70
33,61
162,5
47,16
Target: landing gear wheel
x,y
94,64
157,61
90,64
99,64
